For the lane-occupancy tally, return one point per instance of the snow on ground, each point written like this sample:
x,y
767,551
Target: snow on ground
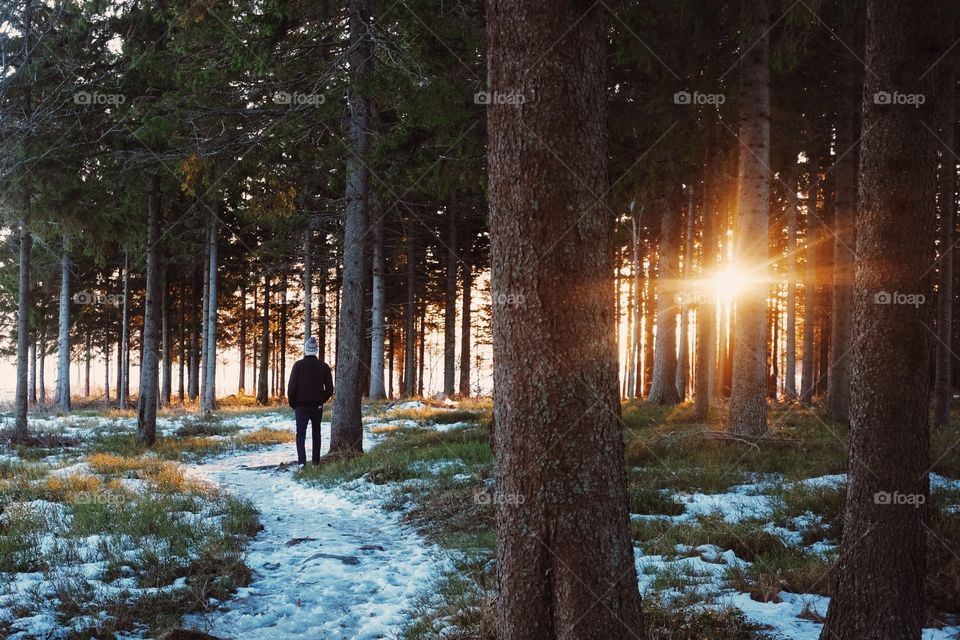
x,y
330,563
704,572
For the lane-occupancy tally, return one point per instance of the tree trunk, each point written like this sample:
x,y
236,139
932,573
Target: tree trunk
x,y
649,308
263,391
378,311
322,299
87,363
124,355
841,336
807,378
633,379
465,330
410,315
564,556
209,400
307,283
790,375
748,403
942,387
20,428
204,315
282,340
683,355
663,390
63,332
41,367
166,350
182,348
880,575
33,373
242,341
450,306
196,316
149,373
706,303
106,368
421,360
346,437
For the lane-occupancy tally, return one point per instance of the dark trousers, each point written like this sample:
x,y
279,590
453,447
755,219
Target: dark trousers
x,y
313,415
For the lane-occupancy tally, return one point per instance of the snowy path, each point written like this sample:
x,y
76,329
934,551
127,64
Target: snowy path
x,y
325,566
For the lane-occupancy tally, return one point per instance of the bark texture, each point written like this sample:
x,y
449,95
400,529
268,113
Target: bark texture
x,y
748,405
564,558
663,389
148,393
879,588
346,431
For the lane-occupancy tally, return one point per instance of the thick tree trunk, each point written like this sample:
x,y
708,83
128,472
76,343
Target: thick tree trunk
x,y
346,437
263,391
20,428
378,311
748,403
942,387
149,372
450,306
880,576
465,330
209,401
564,556
63,331
663,390
410,317
123,392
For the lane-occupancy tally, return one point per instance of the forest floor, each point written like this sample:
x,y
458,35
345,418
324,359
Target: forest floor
x,y
99,537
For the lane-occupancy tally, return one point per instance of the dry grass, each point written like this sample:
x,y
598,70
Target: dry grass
x,y
263,437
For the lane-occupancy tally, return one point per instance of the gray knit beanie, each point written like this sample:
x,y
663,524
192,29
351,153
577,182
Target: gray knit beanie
x,y
310,346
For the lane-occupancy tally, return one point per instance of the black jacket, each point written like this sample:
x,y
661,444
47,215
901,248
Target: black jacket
x,y
311,383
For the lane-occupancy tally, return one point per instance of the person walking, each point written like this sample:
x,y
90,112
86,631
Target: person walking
x,y
311,385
